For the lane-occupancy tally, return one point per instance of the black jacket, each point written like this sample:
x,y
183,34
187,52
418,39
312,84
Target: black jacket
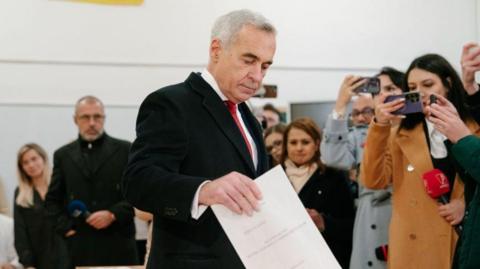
x,y
96,182
185,135
35,240
330,195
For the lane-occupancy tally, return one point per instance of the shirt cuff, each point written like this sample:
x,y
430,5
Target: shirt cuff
x,y
197,209
337,116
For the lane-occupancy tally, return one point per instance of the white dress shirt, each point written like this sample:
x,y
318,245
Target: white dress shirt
x,y
437,146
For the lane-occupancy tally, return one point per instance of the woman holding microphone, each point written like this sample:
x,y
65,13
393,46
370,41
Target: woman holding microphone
x,y
421,231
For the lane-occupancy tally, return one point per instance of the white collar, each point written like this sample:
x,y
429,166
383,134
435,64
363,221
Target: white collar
x,y
432,132
437,147
208,77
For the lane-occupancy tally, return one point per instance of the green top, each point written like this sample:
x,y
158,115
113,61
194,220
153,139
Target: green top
x,y
467,152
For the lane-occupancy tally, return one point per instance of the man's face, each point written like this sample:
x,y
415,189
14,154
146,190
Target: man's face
x,y
240,68
90,118
362,110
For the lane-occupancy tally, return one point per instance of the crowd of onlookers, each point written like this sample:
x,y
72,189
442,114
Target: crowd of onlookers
x,y
360,179
385,156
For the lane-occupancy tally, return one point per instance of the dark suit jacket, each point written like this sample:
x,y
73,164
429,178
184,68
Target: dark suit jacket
x,y
330,195
99,188
185,135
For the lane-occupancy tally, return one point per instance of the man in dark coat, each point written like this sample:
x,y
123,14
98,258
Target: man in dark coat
x,y
198,144
89,171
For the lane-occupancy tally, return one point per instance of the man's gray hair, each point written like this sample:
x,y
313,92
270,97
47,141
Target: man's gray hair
x,y
227,26
89,99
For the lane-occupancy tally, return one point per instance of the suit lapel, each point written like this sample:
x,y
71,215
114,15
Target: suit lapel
x,y
413,144
219,112
108,149
77,156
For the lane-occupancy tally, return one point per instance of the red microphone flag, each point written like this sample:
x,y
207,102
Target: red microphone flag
x,y
436,183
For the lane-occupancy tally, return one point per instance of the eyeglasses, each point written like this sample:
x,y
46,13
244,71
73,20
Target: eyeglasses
x,y
367,112
275,144
95,117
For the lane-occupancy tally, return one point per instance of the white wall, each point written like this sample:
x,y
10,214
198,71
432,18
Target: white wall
x,y
55,51
52,52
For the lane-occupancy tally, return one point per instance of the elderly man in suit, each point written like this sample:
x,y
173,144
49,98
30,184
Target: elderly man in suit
x,y
89,171
198,144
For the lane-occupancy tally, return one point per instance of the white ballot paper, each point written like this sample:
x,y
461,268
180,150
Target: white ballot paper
x,y
281,234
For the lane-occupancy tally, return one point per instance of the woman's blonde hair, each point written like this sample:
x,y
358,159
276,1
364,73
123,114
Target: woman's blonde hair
x,y
25,184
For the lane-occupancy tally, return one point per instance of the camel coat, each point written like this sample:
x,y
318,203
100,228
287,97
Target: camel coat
x,y
419,237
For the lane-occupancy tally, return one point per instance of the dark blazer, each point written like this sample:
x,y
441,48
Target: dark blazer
x,y
99,188
185,135
34,235
330,195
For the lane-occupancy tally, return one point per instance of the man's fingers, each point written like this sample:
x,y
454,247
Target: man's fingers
x,y
229,202
246,194
95,222
242,202
252,186
235,191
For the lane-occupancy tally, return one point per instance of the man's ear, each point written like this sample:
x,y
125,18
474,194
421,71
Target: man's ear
x,y
215,50
75,119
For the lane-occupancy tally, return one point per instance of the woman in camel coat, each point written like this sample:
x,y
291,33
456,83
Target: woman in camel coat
x,y
421,229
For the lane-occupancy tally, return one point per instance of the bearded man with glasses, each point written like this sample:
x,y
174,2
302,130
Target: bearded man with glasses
x,y
342,147
88,172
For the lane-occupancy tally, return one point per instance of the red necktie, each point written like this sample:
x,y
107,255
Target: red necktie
x,y
232,107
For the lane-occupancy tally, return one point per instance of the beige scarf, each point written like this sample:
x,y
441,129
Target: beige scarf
x,y
299,175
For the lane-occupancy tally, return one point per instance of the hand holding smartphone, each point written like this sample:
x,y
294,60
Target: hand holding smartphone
x,y
413,103
372,85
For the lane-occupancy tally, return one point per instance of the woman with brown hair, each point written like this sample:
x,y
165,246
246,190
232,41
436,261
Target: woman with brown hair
x,y
323,191
34,235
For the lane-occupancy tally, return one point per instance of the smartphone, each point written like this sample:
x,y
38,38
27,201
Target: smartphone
x,y
372,85
413,103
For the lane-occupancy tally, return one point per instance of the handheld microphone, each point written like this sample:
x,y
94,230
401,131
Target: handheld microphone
x,y
437,186
381,253
77,209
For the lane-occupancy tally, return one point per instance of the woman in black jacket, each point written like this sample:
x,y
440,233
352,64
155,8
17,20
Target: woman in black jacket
x,y
323,191
34,235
